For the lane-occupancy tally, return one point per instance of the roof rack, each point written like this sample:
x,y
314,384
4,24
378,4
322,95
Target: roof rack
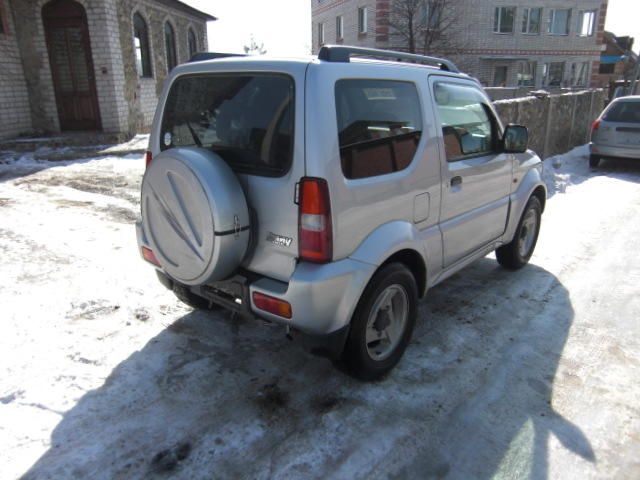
x,y
201,56
339,53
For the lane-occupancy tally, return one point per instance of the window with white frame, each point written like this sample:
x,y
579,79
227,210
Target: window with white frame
x,y
339,27
553,73
504,19
527,74
580,74
429,14
321,34
531,21
559,21
362,20
586,22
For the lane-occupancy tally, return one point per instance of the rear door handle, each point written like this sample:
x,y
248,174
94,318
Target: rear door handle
x,y
456,181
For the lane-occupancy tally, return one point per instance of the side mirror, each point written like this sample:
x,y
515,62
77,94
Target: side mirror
x,y
515,139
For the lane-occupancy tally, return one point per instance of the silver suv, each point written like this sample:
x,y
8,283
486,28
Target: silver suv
x,y
329,194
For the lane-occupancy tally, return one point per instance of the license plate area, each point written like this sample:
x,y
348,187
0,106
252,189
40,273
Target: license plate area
x,y
628,135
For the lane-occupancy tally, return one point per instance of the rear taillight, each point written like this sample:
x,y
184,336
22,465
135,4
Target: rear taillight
x,y
272,305
315,237
148,156
149,256
595,126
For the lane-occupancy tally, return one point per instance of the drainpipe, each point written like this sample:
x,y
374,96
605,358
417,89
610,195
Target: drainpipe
x,y
636,76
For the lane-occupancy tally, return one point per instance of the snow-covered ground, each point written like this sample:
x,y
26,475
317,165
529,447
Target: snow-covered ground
x,y
103,374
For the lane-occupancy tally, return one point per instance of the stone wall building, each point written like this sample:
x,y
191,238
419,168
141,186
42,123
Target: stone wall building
x,y
90,65
533,43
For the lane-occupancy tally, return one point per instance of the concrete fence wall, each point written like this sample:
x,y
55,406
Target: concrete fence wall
x,y
503,93
556,123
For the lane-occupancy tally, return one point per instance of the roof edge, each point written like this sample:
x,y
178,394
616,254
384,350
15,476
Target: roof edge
x,y
177,4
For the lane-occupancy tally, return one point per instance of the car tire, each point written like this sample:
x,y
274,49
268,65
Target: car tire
x,y
188,297
382,323
594,161
517,253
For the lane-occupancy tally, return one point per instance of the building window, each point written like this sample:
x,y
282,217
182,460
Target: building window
x,y
429,14
500,76
552,74
141,45
586,22
504,19
559,21
339,28
580,74
170,46
193,43
531,21
379,126
527,74
607,68
321,34
3,27
362,20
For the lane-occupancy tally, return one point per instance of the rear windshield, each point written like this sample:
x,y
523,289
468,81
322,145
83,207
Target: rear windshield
x,y
246,119
625,112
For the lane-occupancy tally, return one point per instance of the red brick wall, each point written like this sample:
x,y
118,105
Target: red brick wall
x,y
382,21
596,80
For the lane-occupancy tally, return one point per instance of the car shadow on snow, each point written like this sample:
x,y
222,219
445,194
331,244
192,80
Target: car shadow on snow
x,y
216,397
622,168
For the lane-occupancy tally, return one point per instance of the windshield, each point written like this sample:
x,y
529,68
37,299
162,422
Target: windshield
x,y
247,119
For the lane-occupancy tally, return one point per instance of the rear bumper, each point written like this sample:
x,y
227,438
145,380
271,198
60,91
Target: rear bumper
x,y
615,151
323,297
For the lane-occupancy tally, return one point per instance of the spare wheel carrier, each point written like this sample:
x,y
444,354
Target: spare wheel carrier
x,y
195,215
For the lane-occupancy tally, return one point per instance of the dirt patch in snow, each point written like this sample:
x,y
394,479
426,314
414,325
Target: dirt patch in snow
x,y
72,203
120,214
91,309
271,398
117,186
167,460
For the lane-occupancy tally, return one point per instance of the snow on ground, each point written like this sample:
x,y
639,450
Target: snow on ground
x,y
103,374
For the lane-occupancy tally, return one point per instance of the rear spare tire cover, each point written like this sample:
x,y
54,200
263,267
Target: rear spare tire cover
x,y
194,215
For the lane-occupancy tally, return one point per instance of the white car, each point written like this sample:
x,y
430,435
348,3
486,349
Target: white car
x,y
616,132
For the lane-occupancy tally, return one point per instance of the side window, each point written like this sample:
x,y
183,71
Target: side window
x,y
379,126
468,128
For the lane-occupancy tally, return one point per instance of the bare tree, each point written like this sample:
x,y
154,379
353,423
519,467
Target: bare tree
x,y
422,26
254,48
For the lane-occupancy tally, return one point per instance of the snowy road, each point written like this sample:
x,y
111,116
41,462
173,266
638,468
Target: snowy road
x,y
103,374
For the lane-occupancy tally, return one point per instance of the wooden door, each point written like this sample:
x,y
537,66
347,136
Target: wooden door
x,y
67,35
